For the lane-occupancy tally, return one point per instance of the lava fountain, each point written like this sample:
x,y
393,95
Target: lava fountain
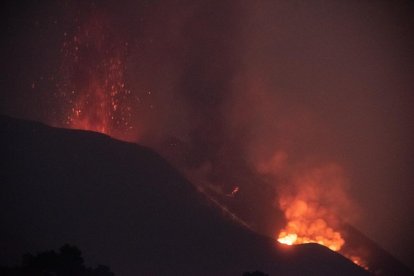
x,y
92,82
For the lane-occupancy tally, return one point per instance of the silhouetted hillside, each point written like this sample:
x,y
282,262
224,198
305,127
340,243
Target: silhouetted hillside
x,y
128,208
379,261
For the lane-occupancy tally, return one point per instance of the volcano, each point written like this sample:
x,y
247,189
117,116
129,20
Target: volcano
x,y
128,208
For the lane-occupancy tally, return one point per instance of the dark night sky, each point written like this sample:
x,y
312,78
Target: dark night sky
x,y
327,80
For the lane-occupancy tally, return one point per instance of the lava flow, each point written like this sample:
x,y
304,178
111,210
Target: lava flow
x,y
92,82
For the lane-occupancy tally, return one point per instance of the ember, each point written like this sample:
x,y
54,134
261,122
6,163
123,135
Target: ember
x,y
92,80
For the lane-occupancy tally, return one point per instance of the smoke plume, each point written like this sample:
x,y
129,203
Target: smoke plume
x,y
287,103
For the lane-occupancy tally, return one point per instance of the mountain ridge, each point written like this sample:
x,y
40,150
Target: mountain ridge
x,y
125,206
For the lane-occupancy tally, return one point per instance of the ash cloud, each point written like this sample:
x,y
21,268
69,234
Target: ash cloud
x,y
216,101
326,83
229,90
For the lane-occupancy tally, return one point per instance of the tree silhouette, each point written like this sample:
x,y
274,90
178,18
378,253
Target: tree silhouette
x,y
67,262
255,273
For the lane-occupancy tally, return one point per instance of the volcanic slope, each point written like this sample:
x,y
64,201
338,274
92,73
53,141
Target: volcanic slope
x,y
126,207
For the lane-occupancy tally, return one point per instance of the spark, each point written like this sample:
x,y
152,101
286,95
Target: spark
x,y
92,80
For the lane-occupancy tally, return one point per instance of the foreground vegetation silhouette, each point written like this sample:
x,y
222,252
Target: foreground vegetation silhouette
x,y
255,273
67,262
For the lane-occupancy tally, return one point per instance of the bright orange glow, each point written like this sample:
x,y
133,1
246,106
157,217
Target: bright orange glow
x,y
305,225
287,238
312,209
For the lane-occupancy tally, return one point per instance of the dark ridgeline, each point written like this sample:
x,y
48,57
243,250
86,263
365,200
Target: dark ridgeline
x,y
127,208
377,259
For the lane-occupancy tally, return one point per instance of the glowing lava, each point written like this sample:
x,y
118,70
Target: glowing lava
x,y
305,225
287,238
358,261
92,83
312,209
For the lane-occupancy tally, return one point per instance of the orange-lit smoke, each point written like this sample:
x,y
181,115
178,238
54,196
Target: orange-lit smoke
x,y
312,196
93,85
311,208
312,199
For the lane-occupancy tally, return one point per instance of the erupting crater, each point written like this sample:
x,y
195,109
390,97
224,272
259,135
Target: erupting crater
x,y
306,226
313,209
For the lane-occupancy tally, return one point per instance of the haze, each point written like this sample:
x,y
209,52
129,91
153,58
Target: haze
x,y
237,82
